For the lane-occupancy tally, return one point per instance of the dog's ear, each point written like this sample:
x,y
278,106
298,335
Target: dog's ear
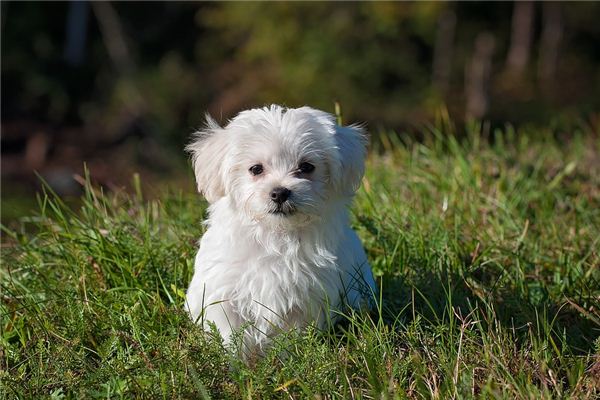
x,y
208,149
348,162
351,142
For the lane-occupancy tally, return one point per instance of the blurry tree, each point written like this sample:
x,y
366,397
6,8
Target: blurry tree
x,y
520,38
443,51
77,26
373,57
477,76
549,44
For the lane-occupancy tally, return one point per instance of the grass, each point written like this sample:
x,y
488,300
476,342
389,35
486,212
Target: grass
x,y
486,247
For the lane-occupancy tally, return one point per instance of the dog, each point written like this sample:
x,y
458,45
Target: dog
x,y
278,252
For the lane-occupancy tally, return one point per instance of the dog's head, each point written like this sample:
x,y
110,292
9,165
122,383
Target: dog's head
x,y
279,165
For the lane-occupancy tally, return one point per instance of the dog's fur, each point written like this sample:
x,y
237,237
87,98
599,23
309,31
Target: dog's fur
x,y
268,266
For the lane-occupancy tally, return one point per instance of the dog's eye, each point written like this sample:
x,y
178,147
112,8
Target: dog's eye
x,y
256,169
306,168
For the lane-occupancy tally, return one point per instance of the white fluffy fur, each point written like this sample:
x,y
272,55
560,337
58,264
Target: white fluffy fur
x,y
266,272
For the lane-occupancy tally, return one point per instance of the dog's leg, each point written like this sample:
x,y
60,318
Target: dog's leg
x,y
225,319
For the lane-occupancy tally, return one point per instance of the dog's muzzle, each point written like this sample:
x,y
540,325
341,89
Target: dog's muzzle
x,y
280,200
280,194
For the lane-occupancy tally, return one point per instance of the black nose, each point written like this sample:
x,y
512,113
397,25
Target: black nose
x,y
280,194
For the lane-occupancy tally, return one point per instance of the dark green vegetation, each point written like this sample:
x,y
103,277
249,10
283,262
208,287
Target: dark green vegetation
x,y
391,63
487,249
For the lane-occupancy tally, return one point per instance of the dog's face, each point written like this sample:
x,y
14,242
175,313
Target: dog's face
x,y
279,166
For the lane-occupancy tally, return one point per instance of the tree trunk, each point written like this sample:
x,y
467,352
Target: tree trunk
x,y
477,76
521,37
550,44
77,21
442,54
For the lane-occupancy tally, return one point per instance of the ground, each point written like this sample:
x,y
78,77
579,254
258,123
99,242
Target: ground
x,y
485,244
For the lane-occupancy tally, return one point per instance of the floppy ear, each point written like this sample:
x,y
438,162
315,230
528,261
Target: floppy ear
x,y
351,142
208,150
348,162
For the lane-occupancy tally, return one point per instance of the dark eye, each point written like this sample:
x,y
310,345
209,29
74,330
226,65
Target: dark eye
x,y
306,168
256,169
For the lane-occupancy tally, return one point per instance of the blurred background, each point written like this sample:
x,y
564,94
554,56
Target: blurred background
x,y
120,86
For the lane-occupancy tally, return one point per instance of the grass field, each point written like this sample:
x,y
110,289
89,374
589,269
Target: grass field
x,y
487,249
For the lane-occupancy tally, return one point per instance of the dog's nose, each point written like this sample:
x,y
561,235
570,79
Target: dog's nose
x,y
280,194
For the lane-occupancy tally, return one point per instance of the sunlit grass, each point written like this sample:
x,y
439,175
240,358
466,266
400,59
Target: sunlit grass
x,y
486,247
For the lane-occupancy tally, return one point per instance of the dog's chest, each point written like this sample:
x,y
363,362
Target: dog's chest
x,y
278,288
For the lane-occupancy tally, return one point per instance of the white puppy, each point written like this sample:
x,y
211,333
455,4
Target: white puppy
x,y
278,252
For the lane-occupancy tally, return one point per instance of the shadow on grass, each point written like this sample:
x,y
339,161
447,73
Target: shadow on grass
x,y
435,296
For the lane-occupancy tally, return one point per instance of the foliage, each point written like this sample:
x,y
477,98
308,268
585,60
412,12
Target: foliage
x,y
375,56
486,248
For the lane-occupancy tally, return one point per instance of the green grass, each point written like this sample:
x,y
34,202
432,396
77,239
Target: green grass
x,y
486,247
